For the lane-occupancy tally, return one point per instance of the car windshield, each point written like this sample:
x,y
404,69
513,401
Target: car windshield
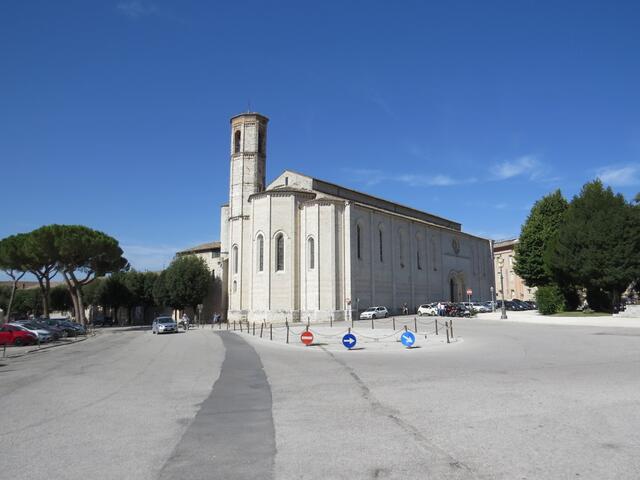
x,y
165,320
372,309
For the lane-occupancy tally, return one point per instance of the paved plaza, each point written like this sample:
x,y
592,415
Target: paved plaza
x,y
505,400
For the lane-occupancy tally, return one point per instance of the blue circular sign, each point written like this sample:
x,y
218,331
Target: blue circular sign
x,y
407,338
349,340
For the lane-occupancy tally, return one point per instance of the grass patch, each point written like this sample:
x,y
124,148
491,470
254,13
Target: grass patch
x,y
581,314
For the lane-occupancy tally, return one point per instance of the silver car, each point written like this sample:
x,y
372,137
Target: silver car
x,y
42,334
164,325
374,312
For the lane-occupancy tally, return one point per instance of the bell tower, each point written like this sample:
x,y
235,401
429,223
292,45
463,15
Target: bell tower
x,y
248,160
247,176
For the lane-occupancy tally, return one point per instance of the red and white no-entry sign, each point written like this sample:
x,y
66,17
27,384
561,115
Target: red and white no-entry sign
x,y
306,338
469,292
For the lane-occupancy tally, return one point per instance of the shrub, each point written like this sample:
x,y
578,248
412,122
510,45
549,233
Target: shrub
x,y
550,300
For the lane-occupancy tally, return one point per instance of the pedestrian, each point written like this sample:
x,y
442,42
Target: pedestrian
x,y
439,309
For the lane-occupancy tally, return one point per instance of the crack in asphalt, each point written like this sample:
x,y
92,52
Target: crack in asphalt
x,y
448,465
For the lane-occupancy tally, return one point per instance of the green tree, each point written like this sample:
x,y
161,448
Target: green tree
x,y
141,285
28,302
83,255
12,262
161,294
114,293
538,230
186,282
5,294
60,299
597,244
42,259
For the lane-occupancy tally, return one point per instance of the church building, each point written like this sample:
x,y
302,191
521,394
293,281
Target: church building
x,y
302,248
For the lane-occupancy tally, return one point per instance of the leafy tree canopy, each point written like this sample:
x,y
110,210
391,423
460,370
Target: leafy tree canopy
x,y
540,227
185,282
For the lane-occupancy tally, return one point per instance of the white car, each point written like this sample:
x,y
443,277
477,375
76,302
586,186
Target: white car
x,y
480,307
374,312
164,325
427,309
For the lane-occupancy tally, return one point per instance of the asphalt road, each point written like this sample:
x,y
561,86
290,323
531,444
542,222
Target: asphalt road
x,y
511,401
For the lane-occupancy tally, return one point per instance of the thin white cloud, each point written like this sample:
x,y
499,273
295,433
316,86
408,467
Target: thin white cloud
x,y
374,177
137,8
620,176
527,165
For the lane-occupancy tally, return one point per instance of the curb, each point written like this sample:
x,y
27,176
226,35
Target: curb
x,y
47,347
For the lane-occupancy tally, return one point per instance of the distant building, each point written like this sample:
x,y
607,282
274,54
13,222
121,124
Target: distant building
x,y
514,286
215,301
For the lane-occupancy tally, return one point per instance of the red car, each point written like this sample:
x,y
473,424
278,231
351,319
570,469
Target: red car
x,y
13,335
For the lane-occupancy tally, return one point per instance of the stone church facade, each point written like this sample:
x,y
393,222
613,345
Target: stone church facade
x,y
301,248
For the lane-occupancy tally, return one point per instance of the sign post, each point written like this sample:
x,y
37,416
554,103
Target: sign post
x,y
349,340
306,338
469,293
408,338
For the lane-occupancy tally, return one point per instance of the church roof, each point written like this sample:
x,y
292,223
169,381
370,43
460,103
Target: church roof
x,y
204,247
345,193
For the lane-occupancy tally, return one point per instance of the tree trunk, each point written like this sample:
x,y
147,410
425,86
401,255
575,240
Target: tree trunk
x,y
43,281
11,298
72,292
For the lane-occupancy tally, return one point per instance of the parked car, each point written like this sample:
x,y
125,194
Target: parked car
x,y
427,309
374,312
43,335
16,335
481,307
164,325
524,305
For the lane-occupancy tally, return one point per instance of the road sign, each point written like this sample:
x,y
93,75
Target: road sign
x,y
306,338
469,292
349,340
408,339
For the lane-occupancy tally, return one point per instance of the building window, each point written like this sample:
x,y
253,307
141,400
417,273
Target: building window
x,y
235,286
401,249
358,241
380,244
312,253
419,259
236,142
279,252
260,253
235,259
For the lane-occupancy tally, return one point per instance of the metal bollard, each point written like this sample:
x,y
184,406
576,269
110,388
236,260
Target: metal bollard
x,y
240,323
261,327
436,322
451,327
372,318
446,327
331,321
4,351
271,331
415,324
394,323
254,329
234,325
287,333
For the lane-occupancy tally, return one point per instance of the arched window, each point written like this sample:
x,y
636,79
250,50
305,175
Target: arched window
x,y
380,244
236,142
311,251
419,259
260,253
418,252
235,259
358,241
401,248
279,252
235,286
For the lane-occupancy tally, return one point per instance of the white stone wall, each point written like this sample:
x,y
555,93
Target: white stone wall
x,y
397,278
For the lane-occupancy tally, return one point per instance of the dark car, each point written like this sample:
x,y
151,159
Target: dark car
x,y
523,305
14,335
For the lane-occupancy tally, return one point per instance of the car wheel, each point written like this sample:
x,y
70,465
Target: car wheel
x,y
385,315
18,342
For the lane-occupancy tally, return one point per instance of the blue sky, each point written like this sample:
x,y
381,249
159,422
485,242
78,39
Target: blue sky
x,y
115,113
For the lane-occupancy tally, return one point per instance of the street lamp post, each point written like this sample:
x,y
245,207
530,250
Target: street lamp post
x,y
503,315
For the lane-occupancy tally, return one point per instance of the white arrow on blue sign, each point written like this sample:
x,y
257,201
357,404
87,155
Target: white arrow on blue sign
x,y
408,339
349,340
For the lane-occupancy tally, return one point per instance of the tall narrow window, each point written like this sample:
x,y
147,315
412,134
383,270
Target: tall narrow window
x,y
279,252
235,259
419,259
358,241
312,253
260,253
401,248
380,244
236,142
